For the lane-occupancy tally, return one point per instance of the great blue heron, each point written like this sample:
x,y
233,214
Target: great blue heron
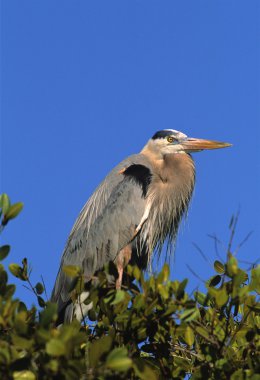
x,y
136,208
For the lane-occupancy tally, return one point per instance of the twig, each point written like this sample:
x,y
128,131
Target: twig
x,y
32,288
194,274
26,287
241,325
183,349
201,253
45,291
212,341
243,242
232,226
216,242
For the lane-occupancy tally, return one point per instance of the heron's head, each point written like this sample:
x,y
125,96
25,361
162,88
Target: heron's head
x,y
169,141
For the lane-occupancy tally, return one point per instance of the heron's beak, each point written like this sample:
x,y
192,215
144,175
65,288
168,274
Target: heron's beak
x,y
195,145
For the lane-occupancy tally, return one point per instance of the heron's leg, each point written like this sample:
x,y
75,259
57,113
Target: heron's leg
x,y
120,270
121,261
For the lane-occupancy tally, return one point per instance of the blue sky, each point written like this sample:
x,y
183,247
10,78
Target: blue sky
x,y
87,83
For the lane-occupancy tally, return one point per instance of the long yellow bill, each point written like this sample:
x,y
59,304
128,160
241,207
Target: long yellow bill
x,y
192,144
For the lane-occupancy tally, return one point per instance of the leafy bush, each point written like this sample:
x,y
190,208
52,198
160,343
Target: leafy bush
x,y
150,329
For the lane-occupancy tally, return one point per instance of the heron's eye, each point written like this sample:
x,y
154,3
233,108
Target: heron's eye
x,y
170,139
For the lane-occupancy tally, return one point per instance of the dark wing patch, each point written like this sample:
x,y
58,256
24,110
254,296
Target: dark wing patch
x,y
141,175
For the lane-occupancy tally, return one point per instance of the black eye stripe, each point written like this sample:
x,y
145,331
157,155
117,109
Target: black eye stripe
x,y
161,134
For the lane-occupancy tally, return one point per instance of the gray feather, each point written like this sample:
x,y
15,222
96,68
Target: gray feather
x,y
104,226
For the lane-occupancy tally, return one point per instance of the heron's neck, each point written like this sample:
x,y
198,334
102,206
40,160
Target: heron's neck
x,y
168,197
152,152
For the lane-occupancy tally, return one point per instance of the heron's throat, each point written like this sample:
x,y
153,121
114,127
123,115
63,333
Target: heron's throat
x,y
177,170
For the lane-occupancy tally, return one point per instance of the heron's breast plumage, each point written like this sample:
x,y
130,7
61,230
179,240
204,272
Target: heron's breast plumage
x,y
168,198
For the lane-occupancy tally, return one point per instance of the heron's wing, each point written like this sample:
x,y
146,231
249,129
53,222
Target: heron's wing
x,y
107,222
98,200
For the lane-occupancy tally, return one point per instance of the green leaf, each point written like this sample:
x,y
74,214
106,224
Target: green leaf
x,y
221,297
21,307
136,273
120,296
201,298
3,276
39,288
254,308
22,343
4,203
193,316
163,291
190,314
240,278
13,211
119,352
163,275
24,375
189,336
77,285
25,268
166,272
41,301
16,270
98,348
49,314
139,301
9,291
255,279
55,347
202,331
182,363
4,251
232,266
21,323
71,270
181,288
215,280
170,310
143,371
53,365
118,360
120,364
219,267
